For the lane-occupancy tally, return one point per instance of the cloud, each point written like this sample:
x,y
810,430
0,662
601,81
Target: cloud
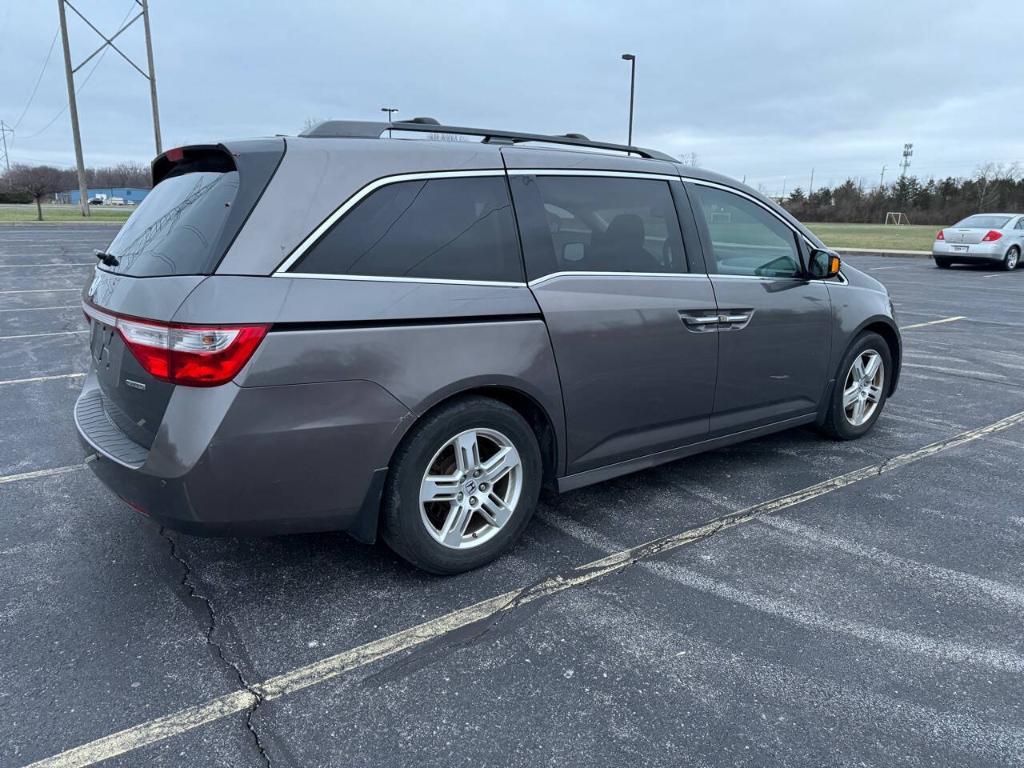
x,y
766,90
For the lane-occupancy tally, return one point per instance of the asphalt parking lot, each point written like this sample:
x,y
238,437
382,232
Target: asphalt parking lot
x,y
790,601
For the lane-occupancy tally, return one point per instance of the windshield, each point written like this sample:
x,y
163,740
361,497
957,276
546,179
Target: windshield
x,y
983,221
176,229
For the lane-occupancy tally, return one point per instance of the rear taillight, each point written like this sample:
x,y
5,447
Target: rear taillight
x,y
991,236
192,355
940,236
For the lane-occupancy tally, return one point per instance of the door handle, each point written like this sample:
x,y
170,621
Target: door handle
x,y
735,320
698,323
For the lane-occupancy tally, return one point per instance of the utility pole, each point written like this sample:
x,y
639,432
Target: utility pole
x,y
69,73
632,87
152,77
4,130
881,179
908,152
810,189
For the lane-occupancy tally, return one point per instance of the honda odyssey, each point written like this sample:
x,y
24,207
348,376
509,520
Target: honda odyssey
x,y
410,338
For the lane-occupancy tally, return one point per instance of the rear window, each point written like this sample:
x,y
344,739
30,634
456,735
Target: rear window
x,y
176,229
454,229
983,221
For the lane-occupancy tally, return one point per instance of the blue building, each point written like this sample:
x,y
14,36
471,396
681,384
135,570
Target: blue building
x,y
128,194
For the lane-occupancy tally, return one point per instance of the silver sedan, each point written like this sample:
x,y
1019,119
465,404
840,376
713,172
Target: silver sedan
x,y
991,237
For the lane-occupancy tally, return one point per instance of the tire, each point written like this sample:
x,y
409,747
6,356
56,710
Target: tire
x,y
458,532
839,423
1012,258
942,263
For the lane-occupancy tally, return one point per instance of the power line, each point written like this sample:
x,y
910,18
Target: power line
x,y
39,79
80,86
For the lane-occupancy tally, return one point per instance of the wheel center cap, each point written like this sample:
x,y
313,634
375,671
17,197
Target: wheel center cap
x,y
470,485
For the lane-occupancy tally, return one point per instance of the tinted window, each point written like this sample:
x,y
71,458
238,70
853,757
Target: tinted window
x,y
455,229
177,228
745,238
983,221
595,224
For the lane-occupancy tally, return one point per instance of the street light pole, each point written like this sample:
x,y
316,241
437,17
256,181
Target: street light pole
x,y
389,110
632,86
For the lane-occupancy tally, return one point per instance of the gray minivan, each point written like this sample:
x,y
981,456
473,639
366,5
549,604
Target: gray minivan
x,y
350,331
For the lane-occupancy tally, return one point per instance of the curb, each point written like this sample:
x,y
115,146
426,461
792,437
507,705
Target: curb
x,y
889,253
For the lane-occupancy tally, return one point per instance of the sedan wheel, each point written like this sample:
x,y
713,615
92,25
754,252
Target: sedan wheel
x,y
1011,259
862,391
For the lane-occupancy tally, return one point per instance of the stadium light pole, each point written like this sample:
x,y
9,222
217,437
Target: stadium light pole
x,y
632,87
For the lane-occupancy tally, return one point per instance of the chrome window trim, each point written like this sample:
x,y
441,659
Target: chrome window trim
x,y
571,273
299,251
384,279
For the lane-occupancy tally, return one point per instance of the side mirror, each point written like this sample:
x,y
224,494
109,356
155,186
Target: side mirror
x,y
823,264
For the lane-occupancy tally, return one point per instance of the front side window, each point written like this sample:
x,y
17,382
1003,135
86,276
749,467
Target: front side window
x,y
452,229
745,238
606,224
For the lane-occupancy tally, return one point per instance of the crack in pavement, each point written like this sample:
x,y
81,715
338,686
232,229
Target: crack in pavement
x,y
191,587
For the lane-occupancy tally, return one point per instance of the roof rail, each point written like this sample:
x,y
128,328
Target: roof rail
x,y
373,130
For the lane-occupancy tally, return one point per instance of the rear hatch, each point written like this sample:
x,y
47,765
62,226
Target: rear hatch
x,y
201,198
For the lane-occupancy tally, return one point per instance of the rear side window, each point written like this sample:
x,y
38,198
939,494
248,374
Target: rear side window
x,y
745,238
453,229
599,224
177,228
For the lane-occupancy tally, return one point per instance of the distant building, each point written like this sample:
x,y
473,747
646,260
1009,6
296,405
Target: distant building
x,y
127,194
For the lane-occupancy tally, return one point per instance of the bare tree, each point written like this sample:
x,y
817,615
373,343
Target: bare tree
x,y
690,159
38,181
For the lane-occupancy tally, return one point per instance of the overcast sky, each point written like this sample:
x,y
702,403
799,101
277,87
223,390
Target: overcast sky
x,y
765,89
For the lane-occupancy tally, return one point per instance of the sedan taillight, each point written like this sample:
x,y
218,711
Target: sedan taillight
x,y
941,235
192,355
991,236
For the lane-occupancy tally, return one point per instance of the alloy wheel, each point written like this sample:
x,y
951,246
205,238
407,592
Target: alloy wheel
x,y
862,391
471,488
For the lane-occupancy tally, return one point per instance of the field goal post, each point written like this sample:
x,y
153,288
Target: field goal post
x,y
896,217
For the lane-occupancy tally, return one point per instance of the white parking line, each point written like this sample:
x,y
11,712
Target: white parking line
x,y
44,290
319,672
934,322
55,264
37,335
40,473
43,378
36,309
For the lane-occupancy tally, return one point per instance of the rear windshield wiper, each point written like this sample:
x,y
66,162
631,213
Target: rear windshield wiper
x,y
105,258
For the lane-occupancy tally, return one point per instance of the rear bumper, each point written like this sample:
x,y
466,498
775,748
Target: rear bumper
x,y
975,252
236,460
